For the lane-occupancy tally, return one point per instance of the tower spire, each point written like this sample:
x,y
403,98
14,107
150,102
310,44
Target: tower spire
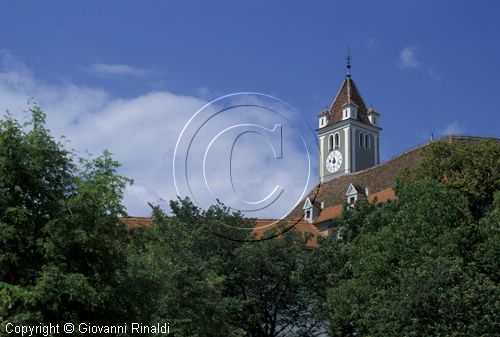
x,y
348,62
348,76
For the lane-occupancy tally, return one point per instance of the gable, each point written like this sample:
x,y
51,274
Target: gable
x,y
351,190
307,204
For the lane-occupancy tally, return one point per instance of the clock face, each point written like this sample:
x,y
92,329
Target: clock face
x,y
333,161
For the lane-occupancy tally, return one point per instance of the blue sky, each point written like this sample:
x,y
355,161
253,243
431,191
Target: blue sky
x,y
427,66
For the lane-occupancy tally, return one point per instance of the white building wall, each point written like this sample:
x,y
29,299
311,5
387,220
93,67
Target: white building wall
x,y
347,156
321,158
353,149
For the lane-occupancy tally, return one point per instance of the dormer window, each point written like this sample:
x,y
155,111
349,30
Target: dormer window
x,y
373,116
354,193
311,210
322,121
350,111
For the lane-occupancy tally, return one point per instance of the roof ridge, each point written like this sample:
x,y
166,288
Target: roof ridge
x,y
336,96
349,89
360,96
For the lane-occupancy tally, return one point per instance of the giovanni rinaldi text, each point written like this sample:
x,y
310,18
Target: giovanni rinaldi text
x,y
86,328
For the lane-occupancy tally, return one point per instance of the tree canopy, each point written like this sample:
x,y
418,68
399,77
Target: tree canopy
x,y
62,249
66,256
425,264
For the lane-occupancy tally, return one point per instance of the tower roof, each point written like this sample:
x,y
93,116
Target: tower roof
x,y
347,95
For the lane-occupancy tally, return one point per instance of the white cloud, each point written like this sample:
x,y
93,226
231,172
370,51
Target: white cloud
x,y
408,59
109,70
16,74
142,132
255,170
434,75
452,129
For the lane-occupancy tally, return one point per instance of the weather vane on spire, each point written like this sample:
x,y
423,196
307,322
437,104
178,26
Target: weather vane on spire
x,y
348,61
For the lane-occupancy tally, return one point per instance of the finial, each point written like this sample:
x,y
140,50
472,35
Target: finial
x,y
348,61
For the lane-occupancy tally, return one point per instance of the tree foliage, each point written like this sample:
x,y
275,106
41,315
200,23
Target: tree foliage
x,y
65,255
426,264
62,249
469,167
233,287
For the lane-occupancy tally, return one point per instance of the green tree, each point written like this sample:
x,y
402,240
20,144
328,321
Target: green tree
x,y
219,281
63,252
187,259
427,263
471,167
66,256
36,173
273,283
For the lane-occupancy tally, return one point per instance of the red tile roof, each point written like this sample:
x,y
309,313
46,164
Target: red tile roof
x,y
348,93
332,212
261,226
376,179
329,213
135,221
379,180
382,196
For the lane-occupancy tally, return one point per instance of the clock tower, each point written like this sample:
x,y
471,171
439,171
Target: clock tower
x,y
348,133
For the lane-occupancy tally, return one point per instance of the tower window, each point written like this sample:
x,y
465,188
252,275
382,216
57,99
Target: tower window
x,y
367,141
337,140
330,143
361,140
